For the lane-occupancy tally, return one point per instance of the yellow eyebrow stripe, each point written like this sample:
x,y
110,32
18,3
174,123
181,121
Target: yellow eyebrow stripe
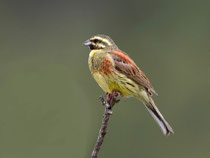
x,y
103,40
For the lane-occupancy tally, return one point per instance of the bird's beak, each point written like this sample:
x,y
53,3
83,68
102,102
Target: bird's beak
x,y
87,43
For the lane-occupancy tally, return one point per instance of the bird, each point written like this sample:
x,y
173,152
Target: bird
x,y
115,71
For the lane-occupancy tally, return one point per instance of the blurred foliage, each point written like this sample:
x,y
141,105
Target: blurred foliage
x,y
49,103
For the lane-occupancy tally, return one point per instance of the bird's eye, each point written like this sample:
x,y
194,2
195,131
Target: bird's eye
x,y
95,40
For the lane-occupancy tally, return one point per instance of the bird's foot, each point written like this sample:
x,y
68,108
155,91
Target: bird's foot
x,y
112,98
110,101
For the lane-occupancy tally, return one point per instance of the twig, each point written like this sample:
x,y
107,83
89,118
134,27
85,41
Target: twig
x,y
108,104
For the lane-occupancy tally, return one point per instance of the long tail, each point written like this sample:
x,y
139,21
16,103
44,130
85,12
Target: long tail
x,y
153,110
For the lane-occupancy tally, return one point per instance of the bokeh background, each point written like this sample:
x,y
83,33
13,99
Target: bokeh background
x,y
49,106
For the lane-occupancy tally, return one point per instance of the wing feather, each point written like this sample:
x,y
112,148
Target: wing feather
x,y
126,66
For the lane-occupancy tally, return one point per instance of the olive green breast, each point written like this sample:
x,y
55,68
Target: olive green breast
x,y
95,59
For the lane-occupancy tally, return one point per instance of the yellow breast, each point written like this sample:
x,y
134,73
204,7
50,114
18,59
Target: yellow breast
x,y
102,82
102,68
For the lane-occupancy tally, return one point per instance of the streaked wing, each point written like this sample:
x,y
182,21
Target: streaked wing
x,y
125,65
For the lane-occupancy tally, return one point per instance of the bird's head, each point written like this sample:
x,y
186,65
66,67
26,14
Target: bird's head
x,y
100,42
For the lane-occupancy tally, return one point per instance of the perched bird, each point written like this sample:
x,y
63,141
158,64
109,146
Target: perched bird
x,y
115,71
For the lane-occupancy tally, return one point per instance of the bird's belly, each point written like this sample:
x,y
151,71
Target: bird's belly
x,y
102,82
110,84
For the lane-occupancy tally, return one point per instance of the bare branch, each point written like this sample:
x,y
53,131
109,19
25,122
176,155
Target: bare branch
x,y
108,104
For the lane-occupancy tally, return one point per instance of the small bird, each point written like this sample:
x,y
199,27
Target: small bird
x,y
115,71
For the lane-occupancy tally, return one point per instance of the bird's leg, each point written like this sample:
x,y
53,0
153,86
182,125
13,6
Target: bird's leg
x,y
108,97
115,94
113,99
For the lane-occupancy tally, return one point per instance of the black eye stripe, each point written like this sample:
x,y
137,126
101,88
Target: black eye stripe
x,y
95,40
98,41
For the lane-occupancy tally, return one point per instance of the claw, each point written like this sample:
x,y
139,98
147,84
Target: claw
x,y
108,97
111,99
115,94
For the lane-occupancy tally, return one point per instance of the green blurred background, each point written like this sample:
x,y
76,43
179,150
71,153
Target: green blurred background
x,y
49,106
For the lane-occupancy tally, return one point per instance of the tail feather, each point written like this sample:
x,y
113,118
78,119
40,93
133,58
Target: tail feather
x,y
153,110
